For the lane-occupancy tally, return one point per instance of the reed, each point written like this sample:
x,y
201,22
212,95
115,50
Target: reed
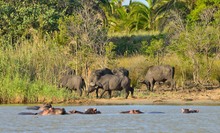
x,y
29,71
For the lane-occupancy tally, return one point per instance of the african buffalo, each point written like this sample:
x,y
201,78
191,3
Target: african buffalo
x,y
122,70
162,73
111,82
95,76
73,82
69,71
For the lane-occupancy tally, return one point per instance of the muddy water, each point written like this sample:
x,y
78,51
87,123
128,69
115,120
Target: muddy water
x,y
170,121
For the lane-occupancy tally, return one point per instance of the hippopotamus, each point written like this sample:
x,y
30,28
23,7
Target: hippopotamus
x,y
40,107
92,111
189,111
132,112
49,111
87,111
55,111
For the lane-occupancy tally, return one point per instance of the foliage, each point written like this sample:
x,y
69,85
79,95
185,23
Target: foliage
x,y
117,16
88,36
20,90
16,18
29,73
139,42
138,16
200,6
199,47
39,38
141,16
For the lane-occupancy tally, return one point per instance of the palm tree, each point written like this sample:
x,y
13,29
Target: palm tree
x,y
139,16
149,17
100,7
117,16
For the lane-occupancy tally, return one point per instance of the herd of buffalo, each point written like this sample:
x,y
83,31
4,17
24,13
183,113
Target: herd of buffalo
x,y
108,80
47,109
117,79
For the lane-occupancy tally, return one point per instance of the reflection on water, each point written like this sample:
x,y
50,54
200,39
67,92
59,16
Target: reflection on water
x,y
172,120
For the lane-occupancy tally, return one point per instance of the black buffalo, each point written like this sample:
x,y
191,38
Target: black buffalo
x,y
73,82
110,82
122,70
162,73
95,76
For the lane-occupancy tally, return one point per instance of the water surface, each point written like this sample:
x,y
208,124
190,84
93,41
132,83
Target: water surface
x,y
171,121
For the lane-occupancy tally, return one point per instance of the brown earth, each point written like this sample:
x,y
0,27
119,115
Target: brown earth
x,y
186,97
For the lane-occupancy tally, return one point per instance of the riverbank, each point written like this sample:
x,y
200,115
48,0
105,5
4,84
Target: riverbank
x,y
186,97
207,97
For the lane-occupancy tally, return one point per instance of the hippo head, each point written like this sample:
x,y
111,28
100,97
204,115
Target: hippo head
x,y
185,110
189,111
135,112
92,111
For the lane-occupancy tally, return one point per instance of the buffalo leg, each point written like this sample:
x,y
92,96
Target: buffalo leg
x,y
148,86
110,93
102,93
152,85
173,85
80,92
91,89
127,93
131,89
97,93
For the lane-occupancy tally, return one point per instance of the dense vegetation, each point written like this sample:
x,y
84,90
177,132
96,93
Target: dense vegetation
x,y
40,38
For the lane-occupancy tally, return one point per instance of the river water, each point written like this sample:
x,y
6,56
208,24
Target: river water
x,y
110,120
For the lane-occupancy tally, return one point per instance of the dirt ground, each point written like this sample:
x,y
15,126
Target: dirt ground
x,y
205,97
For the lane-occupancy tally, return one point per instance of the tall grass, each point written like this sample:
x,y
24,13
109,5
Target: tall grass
x,y
29,71
139,64
18,90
